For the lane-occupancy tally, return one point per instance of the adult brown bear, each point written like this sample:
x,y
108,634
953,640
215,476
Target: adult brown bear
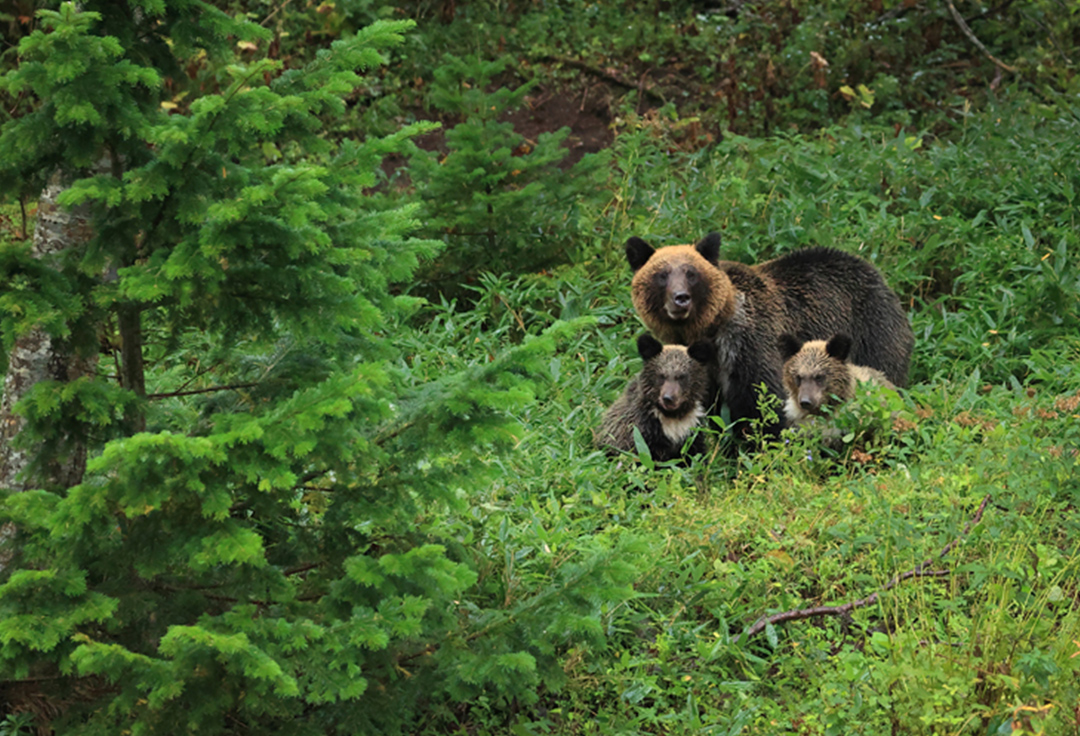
x,y
685,293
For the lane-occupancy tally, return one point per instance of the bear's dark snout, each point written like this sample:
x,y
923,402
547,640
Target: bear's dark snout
x,y
670,396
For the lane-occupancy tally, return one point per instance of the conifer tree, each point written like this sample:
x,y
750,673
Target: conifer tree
x,y
246,548
501,203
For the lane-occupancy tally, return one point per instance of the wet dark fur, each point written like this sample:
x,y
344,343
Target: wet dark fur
x,y
744,309
674,383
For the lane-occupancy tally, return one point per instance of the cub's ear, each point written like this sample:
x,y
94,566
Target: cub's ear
x,y
702,351
709,248
638,252
648,347
789,345
839,347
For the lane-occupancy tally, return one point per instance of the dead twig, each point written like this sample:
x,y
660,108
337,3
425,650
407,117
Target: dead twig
x,y
274,12
610,76
193,392
973,38
919,571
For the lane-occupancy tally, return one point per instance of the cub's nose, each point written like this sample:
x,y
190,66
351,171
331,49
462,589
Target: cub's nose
x,y
806,403
681,299
669,401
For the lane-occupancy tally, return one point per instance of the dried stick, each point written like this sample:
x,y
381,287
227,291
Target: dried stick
x,y
973,38
919,571
609,76
193,392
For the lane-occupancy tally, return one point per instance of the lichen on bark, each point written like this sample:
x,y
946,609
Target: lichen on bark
x,y
39,356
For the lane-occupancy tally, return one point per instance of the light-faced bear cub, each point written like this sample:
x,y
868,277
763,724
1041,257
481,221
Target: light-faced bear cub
x,y
818,374
667,401
685,293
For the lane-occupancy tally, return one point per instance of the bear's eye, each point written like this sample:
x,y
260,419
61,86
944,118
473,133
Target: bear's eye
x,y
819,378
660,278
691,276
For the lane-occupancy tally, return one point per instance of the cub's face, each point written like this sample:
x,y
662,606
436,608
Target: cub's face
x,y
676,283
815,373
675,379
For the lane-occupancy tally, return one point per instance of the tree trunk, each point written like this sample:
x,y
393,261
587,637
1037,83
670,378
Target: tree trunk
x,y
129,322
38,356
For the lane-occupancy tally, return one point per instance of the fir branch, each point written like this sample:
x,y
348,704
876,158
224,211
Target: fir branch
x,y
429,649
189,160
919,571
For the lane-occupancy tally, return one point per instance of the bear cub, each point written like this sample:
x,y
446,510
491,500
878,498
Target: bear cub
x,y
818,373
667,401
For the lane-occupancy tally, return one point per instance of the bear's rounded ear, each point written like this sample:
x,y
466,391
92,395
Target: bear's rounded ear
x,y
648,347
709,248
702,351
789,345
839,347
638,252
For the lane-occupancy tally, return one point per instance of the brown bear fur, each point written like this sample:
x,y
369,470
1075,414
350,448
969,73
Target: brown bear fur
x,y
685,293
667,401
818,374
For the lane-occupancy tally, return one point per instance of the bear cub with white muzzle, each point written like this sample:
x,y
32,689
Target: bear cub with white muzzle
x,y
817,373
668,401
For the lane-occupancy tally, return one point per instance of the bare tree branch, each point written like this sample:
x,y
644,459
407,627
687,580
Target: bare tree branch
x,y
974,39
193,392
610,75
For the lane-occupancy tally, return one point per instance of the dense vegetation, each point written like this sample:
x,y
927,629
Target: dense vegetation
x,y
296,434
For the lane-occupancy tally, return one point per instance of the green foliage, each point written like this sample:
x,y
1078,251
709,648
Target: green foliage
x,y
34,294
501,202
799,524
923,659
272,551
97,96
767,67
17,724
352,510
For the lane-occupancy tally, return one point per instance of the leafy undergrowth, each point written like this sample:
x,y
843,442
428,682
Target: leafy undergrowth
x,y
959,512
984,641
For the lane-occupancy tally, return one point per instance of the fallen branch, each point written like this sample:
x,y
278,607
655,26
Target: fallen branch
x,y
609,76
919,571
973,38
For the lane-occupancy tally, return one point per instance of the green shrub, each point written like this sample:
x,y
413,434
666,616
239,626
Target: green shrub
x,y
501,203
